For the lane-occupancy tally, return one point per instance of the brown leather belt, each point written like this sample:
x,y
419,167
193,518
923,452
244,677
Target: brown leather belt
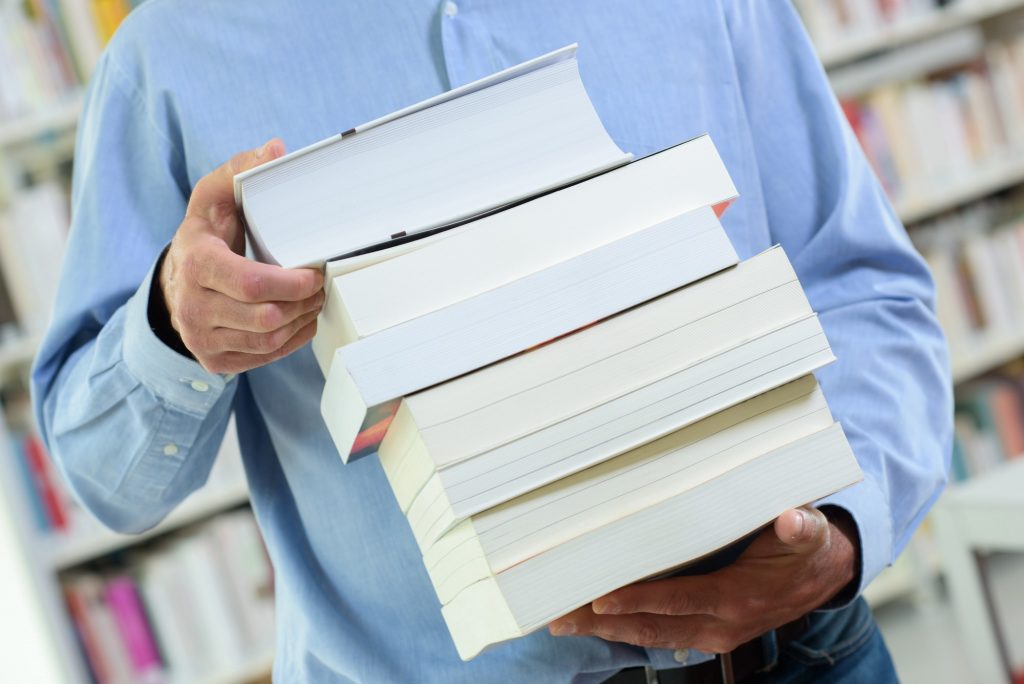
x,y
736,666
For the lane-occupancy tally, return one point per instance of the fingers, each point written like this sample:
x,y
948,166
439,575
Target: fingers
x,y
674,596
229,340
802,529
647,630
265,317
218,268
218,187
238,362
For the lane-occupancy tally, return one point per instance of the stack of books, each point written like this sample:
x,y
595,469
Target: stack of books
x,y
569,390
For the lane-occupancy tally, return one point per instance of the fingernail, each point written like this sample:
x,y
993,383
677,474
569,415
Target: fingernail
x,y
261,152
563,628
801,522
810,526
607,607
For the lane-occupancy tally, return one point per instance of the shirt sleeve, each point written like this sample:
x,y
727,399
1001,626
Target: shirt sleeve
x,y
890,387
132,425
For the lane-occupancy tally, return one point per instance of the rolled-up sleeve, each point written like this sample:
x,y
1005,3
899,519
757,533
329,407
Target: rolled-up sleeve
x,y
890,387
133,426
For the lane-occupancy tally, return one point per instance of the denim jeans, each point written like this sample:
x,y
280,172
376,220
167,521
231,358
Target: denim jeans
x,y
840,647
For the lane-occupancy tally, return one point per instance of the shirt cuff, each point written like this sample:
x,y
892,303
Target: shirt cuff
x,y
869,509
667,659
173,378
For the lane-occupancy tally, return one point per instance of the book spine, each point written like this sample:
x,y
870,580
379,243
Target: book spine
x,y
87,637
123,599
31,487
42,474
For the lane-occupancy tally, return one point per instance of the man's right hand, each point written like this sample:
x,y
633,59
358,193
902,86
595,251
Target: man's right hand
x,y
233,313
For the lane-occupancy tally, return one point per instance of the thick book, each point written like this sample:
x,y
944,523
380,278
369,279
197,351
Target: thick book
x,y
502,247
566,405
499,538
527,312
619,425
518,133
702,517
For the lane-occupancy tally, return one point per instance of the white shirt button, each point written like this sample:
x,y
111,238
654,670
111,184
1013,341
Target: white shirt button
x,y
450,9
681,655
200,386
170,449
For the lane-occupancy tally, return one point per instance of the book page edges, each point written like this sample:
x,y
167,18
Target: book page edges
x,y
462,510
344,411
564,53
483,619
480,616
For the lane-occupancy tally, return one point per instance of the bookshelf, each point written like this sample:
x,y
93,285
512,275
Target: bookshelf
x,y
885,56
36,132
58,116
914,29
851,60
993,177
988,353
64,553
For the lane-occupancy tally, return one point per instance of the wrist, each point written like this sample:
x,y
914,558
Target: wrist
x,y
158,313
844,555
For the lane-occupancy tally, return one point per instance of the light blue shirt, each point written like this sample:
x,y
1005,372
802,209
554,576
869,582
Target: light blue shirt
x,y
187,83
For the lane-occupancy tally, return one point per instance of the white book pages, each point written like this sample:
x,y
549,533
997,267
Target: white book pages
x,y
631,421
541,520
533,236
768,273
513,410
660,537
537,308
511,140
558,398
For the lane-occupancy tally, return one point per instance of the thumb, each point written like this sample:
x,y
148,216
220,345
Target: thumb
x,y
218,187
802,529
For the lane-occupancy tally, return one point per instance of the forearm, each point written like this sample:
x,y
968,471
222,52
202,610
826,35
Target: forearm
x,y
133,425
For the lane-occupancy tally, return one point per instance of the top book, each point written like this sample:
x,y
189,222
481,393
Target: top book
x,y
503,139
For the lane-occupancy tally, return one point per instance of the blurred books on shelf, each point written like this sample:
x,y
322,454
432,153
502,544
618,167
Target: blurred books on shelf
x,y
976,108
976,256
193,605
50,48
989,423
831,21
33,231
845,30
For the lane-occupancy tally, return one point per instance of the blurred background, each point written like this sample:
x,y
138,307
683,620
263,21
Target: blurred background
x,y
933,89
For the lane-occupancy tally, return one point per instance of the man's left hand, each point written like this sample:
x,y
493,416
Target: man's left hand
x,y
791,568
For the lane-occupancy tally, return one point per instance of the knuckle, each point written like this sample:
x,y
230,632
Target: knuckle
x,y
188,314
269,317
736,608
269,342
251,342
239,162
251,285
647,632
191,341
718,645
190,267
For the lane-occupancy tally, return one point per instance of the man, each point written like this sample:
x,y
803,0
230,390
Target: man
x,y
150,350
